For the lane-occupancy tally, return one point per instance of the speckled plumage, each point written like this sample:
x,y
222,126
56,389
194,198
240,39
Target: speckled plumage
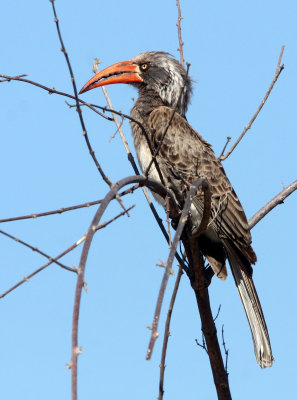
x,y
185,156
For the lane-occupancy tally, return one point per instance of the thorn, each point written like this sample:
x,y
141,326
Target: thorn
x,y
69,365
86,287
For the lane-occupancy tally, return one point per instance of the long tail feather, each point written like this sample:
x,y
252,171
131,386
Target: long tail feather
x,y
252,307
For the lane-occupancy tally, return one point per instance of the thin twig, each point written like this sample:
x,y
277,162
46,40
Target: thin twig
x,y
167,333
226,351
9,79
78,109
203,345
38,251
26,279
168,220
278,199
46,213
278,71
226,144
219,309
180,40
118,129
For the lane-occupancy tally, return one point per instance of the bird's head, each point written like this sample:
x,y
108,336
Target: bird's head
x,y
153,71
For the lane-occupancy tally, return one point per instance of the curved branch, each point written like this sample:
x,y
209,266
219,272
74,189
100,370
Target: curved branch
x,y
142,181
167,333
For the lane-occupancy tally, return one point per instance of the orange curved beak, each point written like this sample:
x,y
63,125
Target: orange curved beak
x,y
121,72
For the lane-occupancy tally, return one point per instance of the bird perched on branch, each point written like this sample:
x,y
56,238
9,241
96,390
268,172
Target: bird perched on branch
x,y
184,156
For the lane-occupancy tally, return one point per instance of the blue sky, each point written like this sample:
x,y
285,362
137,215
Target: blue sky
x,y
233,47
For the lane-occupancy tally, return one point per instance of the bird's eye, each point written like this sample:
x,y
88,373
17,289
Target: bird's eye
x,y
144,67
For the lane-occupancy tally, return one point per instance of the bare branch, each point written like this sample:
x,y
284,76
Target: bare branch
x,y
226,144
46,213
180,40
141,180
38,251
226,351
278,199
207,321
218,313
278,71
203,345
15,77
26,279
78,109
167,333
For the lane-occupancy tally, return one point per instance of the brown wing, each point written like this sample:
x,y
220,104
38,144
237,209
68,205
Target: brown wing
x,y
186,157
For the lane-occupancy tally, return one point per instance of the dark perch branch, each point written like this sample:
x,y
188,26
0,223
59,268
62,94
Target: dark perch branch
x,y
207,321
181,224
278,71
141,180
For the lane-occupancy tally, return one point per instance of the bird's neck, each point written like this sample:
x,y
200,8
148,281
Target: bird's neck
x,y
148,100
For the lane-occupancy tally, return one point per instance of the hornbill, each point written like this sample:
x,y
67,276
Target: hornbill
x,y
184,156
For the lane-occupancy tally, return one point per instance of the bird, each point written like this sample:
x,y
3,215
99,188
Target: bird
x,y
158,119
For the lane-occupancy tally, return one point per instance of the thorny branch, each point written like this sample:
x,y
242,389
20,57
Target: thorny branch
x,y
167,333
278,71
78,109
52,260
37,251
226,351
141,180
180,40
46,213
